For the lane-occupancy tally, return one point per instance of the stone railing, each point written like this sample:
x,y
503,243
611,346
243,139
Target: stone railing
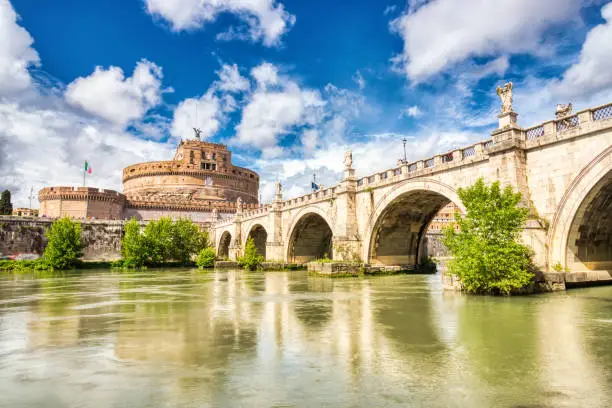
x,y
315,196
582,121
260,210
427,166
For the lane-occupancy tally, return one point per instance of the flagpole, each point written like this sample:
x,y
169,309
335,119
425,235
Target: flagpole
x,y
84,172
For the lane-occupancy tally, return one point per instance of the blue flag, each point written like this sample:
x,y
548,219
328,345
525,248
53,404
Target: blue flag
x,y
314,186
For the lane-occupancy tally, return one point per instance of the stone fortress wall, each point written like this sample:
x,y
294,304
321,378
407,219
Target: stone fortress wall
x,y
81,202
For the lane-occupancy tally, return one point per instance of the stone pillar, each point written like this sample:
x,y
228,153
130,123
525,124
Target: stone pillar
x,y
274,245
346,241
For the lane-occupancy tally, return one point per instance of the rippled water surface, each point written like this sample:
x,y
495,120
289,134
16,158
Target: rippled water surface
x,y
188,338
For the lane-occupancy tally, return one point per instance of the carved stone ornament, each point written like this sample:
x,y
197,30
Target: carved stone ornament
x,y
348,159
505,94
563,110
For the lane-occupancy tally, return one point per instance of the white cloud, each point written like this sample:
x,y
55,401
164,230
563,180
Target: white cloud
x,y
230,79
204,113
16,53
359,80
109,94
265,75
270,114
412,111
267,20
442,33
593,72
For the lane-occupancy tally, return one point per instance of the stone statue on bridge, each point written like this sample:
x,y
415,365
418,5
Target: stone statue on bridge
x,y
505,94
563,110
239,205
348,159
279,188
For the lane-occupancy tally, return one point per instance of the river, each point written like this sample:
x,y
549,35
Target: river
x,y
189,338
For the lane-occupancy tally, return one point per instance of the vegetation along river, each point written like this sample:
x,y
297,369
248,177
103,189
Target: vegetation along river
x,y
189,338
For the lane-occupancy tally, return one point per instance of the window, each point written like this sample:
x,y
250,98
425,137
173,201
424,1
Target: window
x,y
214,156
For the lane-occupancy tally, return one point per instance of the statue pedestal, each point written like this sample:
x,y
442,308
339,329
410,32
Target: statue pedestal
x,y
349,173
507,119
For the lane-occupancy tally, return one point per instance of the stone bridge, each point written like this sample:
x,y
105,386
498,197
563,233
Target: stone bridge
x,y
563,168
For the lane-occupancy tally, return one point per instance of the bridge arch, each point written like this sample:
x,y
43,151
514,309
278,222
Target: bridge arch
x,y
224,243
580,235
260,237
396,227
310,236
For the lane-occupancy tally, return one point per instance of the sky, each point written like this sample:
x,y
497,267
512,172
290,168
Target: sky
x,y
288,85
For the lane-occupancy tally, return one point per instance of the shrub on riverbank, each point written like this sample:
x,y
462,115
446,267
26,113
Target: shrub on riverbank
x,y
65,246
161,242
206,258
251,259
487,256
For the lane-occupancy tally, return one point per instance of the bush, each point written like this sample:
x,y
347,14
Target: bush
x,y
206,258
160,242
251,259
487,256
64,246
135,247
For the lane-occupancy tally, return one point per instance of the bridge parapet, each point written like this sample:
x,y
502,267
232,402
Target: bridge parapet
x,y
580,123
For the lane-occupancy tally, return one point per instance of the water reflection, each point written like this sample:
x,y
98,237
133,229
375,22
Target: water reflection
x,y
229,338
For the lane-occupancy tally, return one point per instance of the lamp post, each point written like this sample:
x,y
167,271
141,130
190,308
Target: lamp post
x,y
405,140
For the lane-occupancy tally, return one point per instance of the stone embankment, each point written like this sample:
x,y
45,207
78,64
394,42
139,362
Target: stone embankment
x,y
102,239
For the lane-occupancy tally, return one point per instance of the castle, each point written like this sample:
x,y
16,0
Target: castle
x,y
200,183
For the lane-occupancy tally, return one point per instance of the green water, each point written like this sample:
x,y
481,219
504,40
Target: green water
x,y
186,338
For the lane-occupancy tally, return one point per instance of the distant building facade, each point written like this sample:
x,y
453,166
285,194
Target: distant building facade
x,y
444,218
25,212
200,183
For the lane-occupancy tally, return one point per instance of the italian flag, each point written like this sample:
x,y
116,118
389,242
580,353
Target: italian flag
x,y
87,168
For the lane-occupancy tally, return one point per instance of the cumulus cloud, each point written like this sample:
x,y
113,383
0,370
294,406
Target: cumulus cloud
x,y
272,112
230,79
267,20
593,72
16,52
441,33
204,113
109,94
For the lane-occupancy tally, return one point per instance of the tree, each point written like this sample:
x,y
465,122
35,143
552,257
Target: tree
x,y
6,207
64,246
187,240
135,247
206,258
487,256
251,259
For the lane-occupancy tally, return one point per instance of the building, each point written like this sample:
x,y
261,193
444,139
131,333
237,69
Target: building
x,y
25,212
443,218
200,183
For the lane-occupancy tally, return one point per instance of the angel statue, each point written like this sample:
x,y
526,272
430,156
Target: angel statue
x,y
279,188
348,159
505,94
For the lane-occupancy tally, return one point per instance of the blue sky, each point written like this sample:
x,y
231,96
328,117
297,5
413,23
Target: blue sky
x,y
287,84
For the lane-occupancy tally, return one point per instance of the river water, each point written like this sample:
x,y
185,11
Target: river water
x,y
189,338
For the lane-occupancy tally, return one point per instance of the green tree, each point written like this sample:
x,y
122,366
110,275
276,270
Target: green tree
x,y
64,246
206,258
135,247
159,235
487,256
251,259
187,240
6,207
